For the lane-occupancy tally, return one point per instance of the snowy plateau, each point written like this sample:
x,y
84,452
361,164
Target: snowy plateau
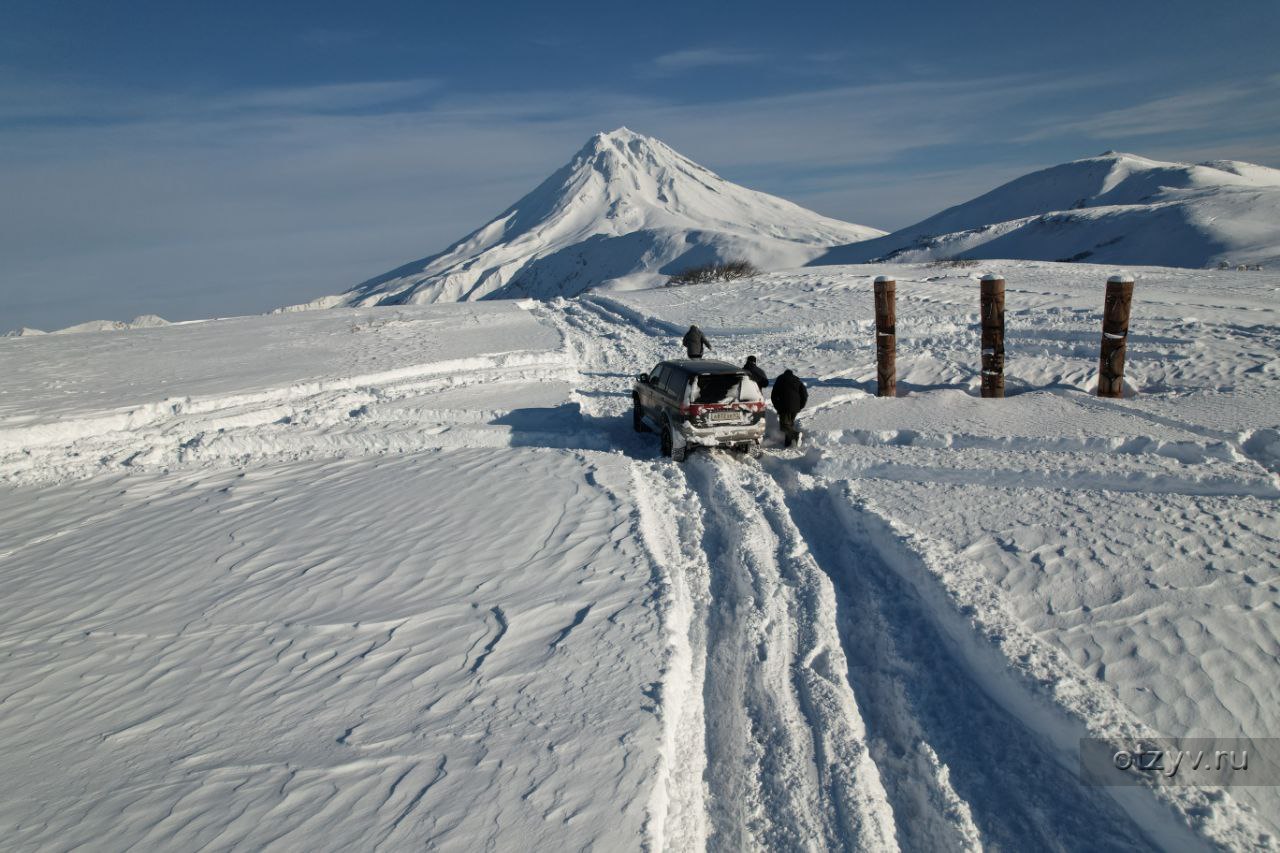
x,y
405,577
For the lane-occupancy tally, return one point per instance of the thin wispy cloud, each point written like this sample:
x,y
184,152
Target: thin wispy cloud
x,y
1231,107
31,102
329,98
826,57
680,61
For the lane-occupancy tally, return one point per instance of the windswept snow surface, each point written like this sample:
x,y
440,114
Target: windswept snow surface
x,y
405,577
1110,209
627,211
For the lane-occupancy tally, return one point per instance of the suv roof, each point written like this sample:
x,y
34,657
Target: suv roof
x,y
702,365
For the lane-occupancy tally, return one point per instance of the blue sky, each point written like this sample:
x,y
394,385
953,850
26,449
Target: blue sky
x,y
201,159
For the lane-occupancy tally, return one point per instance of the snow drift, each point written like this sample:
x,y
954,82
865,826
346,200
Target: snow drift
x,y
628,211
1111,209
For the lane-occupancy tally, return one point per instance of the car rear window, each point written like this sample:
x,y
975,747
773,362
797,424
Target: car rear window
x,y
719,388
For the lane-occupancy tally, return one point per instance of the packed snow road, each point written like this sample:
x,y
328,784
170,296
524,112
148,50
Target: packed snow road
x,y
948,730
404,577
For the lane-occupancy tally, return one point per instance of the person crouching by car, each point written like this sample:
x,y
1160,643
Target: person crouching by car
x,y
694,342
753,370
789,397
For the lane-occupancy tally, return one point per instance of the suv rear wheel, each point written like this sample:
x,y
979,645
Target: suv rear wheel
x,y
668,445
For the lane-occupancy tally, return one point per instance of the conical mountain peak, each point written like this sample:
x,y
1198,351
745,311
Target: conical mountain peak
x,y
619,136
616,153
627,210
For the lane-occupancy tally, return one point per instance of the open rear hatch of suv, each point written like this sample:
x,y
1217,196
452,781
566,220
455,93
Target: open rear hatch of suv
x,y
728,399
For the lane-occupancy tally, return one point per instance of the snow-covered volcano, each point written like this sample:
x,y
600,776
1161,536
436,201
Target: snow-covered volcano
x,y
1111,209
627,210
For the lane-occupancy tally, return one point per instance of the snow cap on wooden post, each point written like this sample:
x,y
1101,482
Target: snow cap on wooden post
x,y
992,303
886,337
1115,335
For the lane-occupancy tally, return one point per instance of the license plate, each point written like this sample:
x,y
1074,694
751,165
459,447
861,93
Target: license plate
x,y
718,417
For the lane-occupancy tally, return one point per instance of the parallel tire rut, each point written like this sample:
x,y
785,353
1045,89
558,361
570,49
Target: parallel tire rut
x,y
790,631
962,773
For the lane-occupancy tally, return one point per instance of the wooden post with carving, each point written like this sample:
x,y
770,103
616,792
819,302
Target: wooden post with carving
x,y
1115,335
886,337
992,302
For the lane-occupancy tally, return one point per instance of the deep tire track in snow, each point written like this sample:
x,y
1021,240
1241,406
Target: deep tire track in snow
x,y
787,764
786,637
671,527
961,771
367,414
764,746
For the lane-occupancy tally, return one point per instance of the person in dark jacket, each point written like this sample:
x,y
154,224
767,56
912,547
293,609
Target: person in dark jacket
x,y
753,370
694,342
789,397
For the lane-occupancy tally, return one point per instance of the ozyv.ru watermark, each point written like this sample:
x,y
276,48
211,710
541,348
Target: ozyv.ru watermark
x,y
1181,761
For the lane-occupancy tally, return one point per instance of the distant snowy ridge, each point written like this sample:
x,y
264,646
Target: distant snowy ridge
x,y
145,321
1111,209
626,212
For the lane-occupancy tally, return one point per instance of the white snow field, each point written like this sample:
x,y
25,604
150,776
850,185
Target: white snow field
x,y
627,211
1111,209
404,577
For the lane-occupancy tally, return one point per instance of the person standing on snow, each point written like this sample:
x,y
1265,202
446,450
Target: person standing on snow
x,y
694,342
753,370
789,397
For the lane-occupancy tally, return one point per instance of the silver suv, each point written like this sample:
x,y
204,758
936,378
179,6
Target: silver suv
x,y
699,402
